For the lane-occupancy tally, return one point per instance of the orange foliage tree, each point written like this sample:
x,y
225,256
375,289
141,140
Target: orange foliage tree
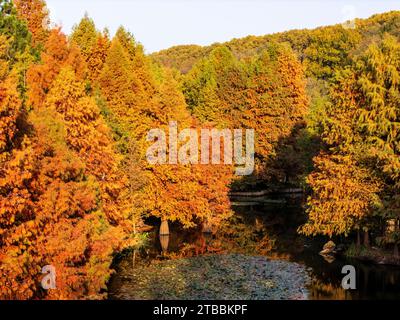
x,y
265,93
57,53
143,97
93,44
60,186
188,193
35,13
89,137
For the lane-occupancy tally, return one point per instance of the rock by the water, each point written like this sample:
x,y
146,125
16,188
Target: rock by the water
x,y
328,257
328,248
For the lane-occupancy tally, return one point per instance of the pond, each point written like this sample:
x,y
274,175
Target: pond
x,y
256,255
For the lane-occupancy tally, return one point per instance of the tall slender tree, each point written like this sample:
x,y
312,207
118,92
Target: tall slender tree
x,y
35,13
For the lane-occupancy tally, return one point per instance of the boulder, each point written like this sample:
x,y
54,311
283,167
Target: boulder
x,y
328,248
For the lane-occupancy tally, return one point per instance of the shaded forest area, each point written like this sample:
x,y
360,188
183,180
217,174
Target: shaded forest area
x,y
75,186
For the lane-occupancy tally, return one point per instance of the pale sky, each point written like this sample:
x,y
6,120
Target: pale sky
x,y
160,24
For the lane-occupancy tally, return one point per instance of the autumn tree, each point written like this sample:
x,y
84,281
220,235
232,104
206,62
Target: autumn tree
x,y
13,29
35,13
89,137
17,190
189,193
75,234
329,50
57,54
120,85
84,35
361,133
19,52
58,196
60,185
276,106
142,97
97,58
265,93
10,103
343,195
214,89
378,84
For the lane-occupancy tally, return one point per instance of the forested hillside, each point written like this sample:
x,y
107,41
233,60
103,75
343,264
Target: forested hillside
x,y
75,110
321,49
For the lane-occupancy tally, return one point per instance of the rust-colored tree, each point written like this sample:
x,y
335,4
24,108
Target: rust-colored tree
x,y
57,53
35,13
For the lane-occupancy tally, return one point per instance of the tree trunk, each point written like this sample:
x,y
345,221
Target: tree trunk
x,y
164,229
358,239
134,258
164,241
206,227
396,251
366,239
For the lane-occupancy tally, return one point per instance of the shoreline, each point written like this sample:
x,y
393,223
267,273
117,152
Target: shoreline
x,y
372,255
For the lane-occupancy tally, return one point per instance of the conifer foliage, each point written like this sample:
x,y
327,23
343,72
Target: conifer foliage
x,y
358,178
76,187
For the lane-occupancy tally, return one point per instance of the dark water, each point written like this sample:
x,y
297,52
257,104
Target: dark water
x,y
277,224
373,282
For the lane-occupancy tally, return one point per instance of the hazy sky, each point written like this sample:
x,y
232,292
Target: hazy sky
x,y
160,24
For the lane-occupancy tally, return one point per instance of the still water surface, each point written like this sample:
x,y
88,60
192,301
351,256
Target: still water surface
x,y
372,281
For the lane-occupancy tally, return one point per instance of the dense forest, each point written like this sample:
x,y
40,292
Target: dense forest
x,y
75,186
